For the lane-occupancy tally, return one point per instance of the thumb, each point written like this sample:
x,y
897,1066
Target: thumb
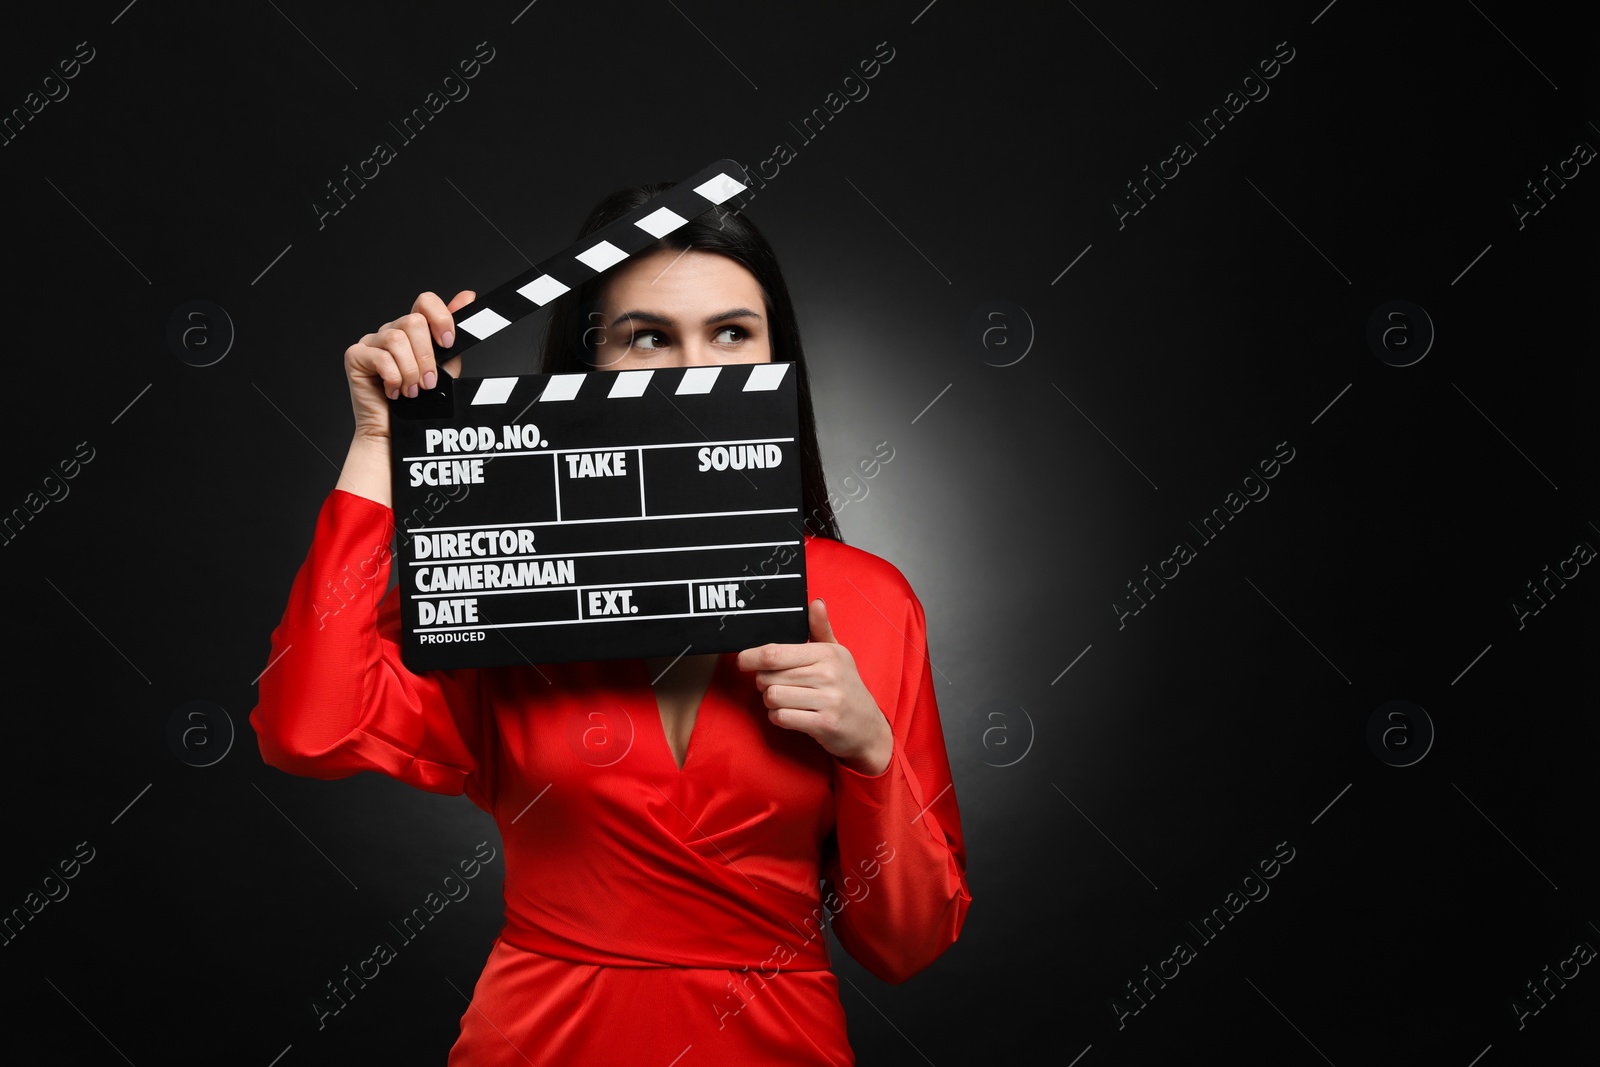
x,y
821,628
452,366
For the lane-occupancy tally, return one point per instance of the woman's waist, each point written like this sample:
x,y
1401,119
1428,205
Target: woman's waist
x,y
792,953
672,929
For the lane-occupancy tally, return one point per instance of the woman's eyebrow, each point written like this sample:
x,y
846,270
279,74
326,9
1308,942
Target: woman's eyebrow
x,y
662,320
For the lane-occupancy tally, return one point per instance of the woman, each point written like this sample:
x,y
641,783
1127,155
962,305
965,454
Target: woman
x,y
665,821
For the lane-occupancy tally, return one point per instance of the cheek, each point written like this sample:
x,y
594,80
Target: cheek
x,y
752,350
606,347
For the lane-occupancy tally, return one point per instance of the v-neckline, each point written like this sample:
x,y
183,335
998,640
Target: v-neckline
x,y
699,711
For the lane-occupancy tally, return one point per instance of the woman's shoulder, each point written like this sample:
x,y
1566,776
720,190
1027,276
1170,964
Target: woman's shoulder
x,y
831,563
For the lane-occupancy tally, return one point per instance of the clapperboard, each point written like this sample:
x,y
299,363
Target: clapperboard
x,y
602,515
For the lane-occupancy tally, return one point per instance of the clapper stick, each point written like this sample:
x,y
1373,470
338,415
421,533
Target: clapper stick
x,y
581,261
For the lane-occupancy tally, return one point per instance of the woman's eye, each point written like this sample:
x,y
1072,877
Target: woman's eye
x,y
645,340
731,329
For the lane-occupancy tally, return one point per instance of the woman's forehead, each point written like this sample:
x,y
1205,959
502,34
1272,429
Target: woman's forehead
x,y
687,281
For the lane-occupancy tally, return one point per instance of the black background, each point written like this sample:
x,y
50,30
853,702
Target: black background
x,y
1229,715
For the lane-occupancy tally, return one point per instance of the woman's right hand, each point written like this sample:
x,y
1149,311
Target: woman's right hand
x,y
398,358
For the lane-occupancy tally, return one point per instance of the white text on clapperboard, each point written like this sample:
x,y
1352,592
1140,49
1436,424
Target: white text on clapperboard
x,y
478,544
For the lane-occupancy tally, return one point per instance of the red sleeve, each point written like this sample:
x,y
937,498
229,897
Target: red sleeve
x,y
897,881
336,699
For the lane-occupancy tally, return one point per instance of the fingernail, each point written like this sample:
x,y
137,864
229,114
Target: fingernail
x,y
394,394
411,390
430,380
447,338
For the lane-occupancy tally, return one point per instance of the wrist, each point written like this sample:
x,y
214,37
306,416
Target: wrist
x,y
872,761
366,469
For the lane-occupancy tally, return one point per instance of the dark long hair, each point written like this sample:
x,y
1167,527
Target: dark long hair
x,y
567,350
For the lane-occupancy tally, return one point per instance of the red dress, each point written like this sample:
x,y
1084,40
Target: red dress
x,y
652,914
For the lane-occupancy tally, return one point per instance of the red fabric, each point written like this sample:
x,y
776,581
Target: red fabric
x,y
648,909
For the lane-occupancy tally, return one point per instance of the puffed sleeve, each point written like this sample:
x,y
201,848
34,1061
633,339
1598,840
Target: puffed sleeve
x,y
336,699
896,874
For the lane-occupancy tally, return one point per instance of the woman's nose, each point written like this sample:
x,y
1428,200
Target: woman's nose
x,y
698,354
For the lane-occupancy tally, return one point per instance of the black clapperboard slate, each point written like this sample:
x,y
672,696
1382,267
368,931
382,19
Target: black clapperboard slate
x,y
605,515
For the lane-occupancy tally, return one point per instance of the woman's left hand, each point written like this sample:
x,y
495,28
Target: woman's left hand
x,y
816,689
